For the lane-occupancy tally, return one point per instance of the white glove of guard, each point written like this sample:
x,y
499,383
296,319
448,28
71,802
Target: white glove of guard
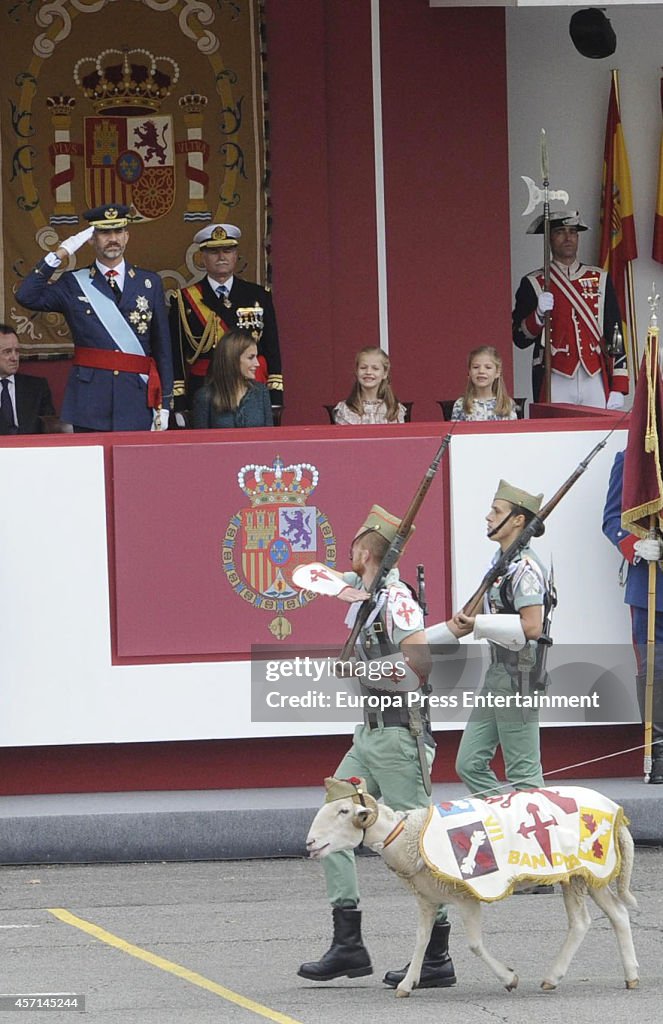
x,y
74,242
179,419
160,419
545,304
650,549
615,400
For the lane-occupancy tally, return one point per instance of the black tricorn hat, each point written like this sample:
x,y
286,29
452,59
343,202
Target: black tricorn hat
x,y
592,33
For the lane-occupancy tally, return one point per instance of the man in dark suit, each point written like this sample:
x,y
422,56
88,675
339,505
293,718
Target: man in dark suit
x,y
122,377
202,313
23,398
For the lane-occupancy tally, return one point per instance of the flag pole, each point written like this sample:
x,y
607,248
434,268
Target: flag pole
x,y
632,355
651,654
653,372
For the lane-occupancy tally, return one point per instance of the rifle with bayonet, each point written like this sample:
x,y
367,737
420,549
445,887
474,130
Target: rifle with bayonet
x,y
394,551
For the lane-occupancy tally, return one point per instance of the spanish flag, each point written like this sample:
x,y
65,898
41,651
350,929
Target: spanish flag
x,y
657,247
618,244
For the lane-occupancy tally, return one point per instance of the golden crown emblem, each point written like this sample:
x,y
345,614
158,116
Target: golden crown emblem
x,y
60,106
278,484
193,103
137,83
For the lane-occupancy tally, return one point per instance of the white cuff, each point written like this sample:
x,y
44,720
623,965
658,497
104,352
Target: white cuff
x,y
505,630
439,633
52,259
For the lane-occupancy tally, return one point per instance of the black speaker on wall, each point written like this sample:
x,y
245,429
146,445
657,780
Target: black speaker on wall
x,y
592,34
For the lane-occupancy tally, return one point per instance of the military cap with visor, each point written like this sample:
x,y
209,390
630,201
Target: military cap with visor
x,y
218,236
110,217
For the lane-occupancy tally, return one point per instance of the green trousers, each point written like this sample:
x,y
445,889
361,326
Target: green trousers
x,y
388,761
515,730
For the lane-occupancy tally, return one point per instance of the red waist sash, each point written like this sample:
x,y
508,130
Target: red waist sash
x,y
109,359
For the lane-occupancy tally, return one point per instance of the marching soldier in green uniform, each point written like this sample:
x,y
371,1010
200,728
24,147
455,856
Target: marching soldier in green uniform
x,y
203,312
392,750
515,606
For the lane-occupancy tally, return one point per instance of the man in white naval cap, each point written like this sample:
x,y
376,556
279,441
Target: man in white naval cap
x,y
583,310
202,313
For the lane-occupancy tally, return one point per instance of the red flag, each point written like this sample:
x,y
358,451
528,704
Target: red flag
x,y
618,244
642,492
657,247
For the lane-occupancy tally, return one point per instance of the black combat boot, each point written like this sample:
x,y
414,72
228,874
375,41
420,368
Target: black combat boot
x,y
347,956
437,970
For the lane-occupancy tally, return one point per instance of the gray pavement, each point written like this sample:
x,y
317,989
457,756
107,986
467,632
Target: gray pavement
x,y
217,824
243,928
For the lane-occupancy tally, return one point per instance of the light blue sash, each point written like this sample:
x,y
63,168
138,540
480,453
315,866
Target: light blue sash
x,y
110,317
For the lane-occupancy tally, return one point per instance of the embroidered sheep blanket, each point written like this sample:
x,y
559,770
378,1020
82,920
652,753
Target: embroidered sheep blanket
x,y
540,835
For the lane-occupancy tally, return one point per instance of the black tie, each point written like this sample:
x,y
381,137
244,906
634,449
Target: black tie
x,y
6,409
115,288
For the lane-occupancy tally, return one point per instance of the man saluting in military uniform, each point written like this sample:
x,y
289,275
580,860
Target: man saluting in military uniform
x,y
122,373
203,312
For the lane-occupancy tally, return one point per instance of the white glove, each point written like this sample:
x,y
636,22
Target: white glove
x,y
544,305
160,419
74,242
179,419
615,400
650,548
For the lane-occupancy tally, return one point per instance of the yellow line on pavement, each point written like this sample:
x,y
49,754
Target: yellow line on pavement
x,y
172,968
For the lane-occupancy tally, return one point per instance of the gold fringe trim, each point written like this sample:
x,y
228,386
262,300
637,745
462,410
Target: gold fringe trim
x,y
458,885
630,518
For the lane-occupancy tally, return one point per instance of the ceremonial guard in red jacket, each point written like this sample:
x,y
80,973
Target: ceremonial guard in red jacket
x,y
584,313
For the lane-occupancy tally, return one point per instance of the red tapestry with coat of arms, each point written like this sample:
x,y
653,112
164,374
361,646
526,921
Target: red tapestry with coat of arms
x,y
157,104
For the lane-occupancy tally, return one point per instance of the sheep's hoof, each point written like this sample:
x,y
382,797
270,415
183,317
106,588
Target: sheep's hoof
x,y
402,993
548,986
632,982
513,984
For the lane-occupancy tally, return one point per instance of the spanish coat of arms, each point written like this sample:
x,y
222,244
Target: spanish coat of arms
x,y
267,540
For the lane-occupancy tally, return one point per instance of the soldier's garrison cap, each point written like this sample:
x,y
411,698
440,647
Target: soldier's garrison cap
x,y
218,236
380,521
337,789
507,492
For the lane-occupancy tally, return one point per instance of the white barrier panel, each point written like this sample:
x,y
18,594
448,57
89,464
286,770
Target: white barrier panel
x,y
58,683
